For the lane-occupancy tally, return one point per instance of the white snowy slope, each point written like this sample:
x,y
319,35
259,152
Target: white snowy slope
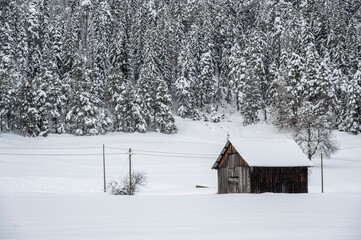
x,y
58,194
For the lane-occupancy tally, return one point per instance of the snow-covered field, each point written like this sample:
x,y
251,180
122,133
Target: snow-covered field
x,y
53,189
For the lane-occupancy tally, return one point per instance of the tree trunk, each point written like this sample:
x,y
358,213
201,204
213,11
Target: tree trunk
x,y
265,115
309,152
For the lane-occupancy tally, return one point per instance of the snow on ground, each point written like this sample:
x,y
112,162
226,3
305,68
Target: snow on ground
x,y
97,216
60,197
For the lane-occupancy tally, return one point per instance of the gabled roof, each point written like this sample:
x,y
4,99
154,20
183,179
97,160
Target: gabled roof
x,y
267,153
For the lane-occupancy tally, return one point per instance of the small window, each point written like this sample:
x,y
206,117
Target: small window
x,y
233,179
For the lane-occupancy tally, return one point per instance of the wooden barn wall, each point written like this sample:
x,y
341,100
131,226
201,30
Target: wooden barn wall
x,y
233,176
279,179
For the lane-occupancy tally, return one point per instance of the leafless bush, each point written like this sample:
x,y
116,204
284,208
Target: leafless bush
x,y
122,187
115,188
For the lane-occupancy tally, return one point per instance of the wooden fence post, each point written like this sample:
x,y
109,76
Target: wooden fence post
x,y
322,172
130,171
104,168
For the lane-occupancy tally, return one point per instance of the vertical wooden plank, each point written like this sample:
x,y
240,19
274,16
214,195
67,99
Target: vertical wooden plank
x,y
231,185
240,181
248,180
219,181
224,180
244,179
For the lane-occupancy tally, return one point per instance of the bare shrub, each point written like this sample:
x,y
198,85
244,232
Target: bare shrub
x,y
139,180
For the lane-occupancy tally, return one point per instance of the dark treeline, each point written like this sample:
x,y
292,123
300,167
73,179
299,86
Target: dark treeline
x,y
91,66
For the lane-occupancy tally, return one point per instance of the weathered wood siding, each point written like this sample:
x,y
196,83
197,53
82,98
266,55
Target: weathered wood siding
x,y
279,179
234,175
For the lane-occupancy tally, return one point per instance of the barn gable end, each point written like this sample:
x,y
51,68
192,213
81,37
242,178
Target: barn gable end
x,y
233,171
228,150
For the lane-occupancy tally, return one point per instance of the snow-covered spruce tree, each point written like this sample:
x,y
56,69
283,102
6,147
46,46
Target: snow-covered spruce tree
x,y
237,66
207,78
336,38
56,102
95,29
252,89
70,43
32,113
123,105
8,78
339,81
318,85
167,44
312,72
227,28
121,49
116,47
55,41
208,82
352,49
8,106
278,91
163,118
27,112
144,92
86,32
134,120
280,11
82,117
146,84
142,35
250,103
325,90
294,88
260,68
184,85
113,91
33,89
183,93
351,116
42,89
33,38
102,30
49,81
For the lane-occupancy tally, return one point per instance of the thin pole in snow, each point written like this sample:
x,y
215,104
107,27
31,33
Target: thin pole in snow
x,y
104,168
130,171
322,172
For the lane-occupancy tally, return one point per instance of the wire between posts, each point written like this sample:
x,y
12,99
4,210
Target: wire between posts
x,y
45,148
174,156
139,152
165,154
347,160
116,148
173,153
58,154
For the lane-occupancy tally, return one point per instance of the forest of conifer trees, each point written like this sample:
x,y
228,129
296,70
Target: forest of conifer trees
x,y
91,66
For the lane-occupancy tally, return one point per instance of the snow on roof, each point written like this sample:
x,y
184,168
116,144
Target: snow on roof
x,y
271,152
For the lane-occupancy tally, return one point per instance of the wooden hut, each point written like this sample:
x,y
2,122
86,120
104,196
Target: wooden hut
x,y
262,165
